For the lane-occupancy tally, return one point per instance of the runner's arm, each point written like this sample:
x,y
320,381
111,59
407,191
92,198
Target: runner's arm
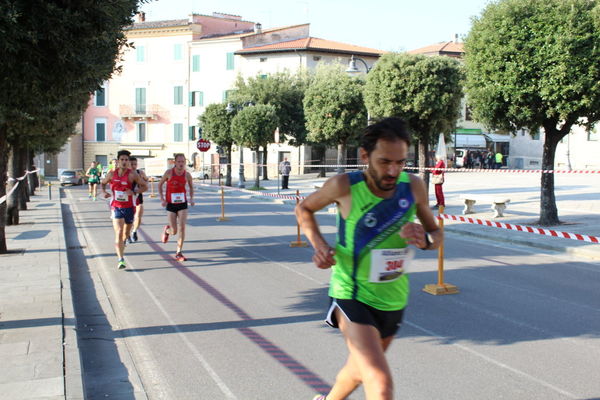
x,y
162,181
142,186
415,233
105,181
333,189
190,182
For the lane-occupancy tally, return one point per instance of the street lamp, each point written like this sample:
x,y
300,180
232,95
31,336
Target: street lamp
x,y
353,70
230,109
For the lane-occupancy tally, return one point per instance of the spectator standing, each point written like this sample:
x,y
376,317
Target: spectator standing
x,y
284,169
437,178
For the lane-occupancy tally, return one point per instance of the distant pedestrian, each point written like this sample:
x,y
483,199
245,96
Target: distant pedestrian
x,y
93,175
498,160
284,169
437,178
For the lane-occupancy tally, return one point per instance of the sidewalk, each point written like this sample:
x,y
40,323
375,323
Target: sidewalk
x,y
38,344
578,202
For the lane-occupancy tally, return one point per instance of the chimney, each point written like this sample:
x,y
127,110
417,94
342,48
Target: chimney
x,y
258,27
141,16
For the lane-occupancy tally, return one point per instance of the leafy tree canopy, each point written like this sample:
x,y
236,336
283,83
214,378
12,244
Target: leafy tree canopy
x,y
334,107
254,126
216,124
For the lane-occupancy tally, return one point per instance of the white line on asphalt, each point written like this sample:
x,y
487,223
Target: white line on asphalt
x,y
496,362
226,391
222,386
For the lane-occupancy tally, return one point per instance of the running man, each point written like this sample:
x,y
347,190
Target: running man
x,y
369,285
121,180
176,201
138,201
93,174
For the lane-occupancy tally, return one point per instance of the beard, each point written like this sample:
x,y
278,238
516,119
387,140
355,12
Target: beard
x,y
379,181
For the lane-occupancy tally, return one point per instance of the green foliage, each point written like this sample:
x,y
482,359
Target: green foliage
x,y
216,124
285,92
424,91
534,63
254,126
333,106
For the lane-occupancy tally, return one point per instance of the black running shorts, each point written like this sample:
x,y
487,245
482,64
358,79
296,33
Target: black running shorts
x,y
175,208
386,322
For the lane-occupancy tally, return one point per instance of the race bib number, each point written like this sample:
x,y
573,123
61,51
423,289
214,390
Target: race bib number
x,y
120,196
387,265
177,198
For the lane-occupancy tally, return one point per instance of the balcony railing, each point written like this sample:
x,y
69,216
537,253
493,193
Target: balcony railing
x,y
139,112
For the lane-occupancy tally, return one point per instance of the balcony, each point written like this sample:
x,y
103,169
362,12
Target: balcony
x,y
139,112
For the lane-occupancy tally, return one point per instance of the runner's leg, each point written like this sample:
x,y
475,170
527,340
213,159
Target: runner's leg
x,y
172,222
127,231
119,227
139,211
182,219
366,362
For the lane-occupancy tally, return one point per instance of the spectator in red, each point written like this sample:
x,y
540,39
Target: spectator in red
x,y
437,178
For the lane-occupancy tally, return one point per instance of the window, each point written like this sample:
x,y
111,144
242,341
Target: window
x,y
178,52
178,95
196,63
140,129
178,132
140,53
192,133
100,130
196,99
230,61
227,94
592,135
536,135
100,97
140,100
263,76
263,59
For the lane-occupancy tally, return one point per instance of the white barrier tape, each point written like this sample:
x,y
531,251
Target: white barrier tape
x,y
18,180
501,170
256,192
523,228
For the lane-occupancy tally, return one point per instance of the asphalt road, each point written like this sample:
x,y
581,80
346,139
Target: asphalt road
x,y
242,319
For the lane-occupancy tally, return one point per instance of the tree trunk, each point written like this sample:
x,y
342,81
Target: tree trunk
x,y
23,196
548,210
424,162
31,178
228,168
12,201
341,157
3,169
321,151
257,178
265,177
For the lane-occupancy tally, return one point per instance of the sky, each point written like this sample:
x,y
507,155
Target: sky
x,y
391,25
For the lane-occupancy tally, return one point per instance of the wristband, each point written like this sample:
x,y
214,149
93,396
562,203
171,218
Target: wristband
x,y
428,241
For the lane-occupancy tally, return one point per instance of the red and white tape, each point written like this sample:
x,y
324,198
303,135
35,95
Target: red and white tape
x,y
523,228
256,192
18,180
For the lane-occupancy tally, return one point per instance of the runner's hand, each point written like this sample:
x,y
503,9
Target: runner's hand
x,y
192,203
323,257
106,195
414,234
164,203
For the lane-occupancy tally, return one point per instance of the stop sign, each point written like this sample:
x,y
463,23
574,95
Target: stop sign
x,y
203,145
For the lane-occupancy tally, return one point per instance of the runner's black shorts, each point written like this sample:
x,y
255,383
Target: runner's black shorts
x,y
386,322
175,208
140,199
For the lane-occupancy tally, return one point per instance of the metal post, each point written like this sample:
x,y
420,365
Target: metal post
x,y
222,217
241,178
49,190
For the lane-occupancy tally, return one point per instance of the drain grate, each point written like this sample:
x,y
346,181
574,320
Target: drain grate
x,y
76,247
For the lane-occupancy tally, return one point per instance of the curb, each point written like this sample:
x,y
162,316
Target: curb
x,y
73,378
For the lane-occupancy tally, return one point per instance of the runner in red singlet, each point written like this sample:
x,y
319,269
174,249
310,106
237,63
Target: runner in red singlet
x,y
121,180
176,201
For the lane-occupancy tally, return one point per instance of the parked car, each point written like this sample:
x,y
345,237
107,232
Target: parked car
x,y
72,177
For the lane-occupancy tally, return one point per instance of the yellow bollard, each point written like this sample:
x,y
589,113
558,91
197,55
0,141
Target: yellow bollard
x,y
441,288
222,217
298,242
152,195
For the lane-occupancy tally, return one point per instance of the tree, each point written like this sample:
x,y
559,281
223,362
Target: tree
x,y
424,91
285,92
535,64
253,127
216,126
334,109
52,51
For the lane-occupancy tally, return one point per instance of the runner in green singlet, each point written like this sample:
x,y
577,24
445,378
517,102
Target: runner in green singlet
x,y
369,283
93,174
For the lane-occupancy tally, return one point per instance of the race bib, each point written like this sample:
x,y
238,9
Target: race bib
x,y
177,198
387,265
120,196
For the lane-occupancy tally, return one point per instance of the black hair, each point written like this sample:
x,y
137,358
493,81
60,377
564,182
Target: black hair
x,y
390,128
132,158
123,153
